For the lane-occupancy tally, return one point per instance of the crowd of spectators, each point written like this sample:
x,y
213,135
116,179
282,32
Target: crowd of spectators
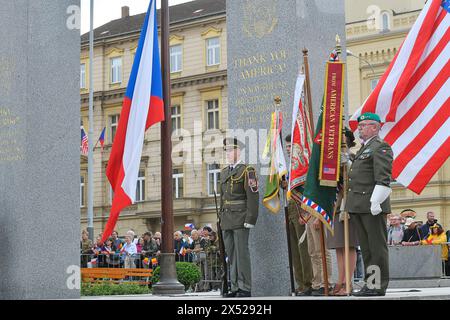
x,y
405,230
190,245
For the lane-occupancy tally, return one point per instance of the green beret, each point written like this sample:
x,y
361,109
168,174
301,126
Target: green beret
x,y
369,116
232,143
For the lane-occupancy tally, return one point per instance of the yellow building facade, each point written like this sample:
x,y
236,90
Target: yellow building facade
x,y
375,30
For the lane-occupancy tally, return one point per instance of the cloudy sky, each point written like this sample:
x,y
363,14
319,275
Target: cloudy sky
x,y
107,10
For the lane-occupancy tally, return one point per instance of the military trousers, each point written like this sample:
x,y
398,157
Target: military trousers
x,y
300,257
372,235
315,252
236,248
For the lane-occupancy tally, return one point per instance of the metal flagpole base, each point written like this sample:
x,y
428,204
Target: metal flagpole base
x,y
168,283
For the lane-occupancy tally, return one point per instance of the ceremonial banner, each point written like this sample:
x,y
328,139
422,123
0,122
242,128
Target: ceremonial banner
x,y
332,124
278,166
301,140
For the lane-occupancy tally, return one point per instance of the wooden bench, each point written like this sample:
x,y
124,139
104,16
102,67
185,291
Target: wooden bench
x,y
115,275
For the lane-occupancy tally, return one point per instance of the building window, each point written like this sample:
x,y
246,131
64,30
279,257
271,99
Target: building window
x,y
110,194
212,114
116,70
213,178
83,76
140,187
113,123
385,21
82,192
373,84
176,58
213,51
176,118
177,176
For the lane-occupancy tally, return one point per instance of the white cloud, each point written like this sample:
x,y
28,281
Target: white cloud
x,y
108,10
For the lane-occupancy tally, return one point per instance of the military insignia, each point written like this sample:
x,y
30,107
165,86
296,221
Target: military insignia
x,y
252,181
260,17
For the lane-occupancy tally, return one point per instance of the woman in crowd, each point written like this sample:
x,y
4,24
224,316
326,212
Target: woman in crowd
x,y
438,237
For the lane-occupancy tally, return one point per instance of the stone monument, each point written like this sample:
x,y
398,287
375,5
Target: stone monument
x,y
39,152
265,42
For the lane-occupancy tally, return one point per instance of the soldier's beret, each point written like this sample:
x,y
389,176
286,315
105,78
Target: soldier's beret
x,y
232,143
369,116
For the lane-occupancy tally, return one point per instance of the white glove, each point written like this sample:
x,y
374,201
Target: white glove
x,y
379,195
344,158
248,226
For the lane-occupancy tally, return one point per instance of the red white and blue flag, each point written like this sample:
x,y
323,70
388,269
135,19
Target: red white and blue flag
x,y
84,143
142,107
101,139
413,101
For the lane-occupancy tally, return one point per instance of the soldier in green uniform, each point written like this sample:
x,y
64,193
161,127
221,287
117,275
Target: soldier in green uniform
x,y
239,199
368,203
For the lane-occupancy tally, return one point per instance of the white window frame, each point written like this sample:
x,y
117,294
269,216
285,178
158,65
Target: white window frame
x,y
216,114
113,126
177,177
140,186
215,174
212,52
176,58
116,70
83,76
387,26
176,118
82,191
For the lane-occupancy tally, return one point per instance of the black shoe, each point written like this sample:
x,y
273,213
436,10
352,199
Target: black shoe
x,y
243,294
318,292
369,293
231,294
305,293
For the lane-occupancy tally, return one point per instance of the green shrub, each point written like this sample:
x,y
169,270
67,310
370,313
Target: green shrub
x,y
188,274
109,289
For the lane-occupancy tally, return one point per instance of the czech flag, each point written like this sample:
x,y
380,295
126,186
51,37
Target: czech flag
x,y
102,138
142,107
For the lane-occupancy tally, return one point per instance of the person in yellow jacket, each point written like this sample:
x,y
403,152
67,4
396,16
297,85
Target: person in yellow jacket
x,y
438,236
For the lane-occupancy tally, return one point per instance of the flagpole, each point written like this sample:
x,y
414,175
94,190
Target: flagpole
x,y
344,198
90,187
311,120
168,283
286,215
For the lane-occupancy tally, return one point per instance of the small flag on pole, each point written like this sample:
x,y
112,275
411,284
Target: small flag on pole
x,y
101,139
84,143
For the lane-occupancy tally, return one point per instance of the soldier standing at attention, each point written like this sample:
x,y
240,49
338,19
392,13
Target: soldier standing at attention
x,y
239,199
368,203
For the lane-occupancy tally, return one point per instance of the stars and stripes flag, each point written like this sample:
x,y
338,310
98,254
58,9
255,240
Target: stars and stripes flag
x,y
142,107
84,148
412,99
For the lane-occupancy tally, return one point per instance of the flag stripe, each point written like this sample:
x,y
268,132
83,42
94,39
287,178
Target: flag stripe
x,y
421,139
416,127
419,161
421,41
431,167
392,131
385,95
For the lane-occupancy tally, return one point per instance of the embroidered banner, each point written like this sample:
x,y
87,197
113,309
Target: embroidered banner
x,y
332,123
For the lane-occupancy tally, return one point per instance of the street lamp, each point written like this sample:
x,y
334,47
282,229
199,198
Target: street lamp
x,y
349,53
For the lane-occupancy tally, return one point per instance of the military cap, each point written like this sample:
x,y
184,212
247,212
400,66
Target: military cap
x,y
369,116
232,143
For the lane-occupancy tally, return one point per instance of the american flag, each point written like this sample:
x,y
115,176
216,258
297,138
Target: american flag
x,y
413,99
84,143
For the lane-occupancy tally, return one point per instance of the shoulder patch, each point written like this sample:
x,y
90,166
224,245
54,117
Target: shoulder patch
x,y
252,179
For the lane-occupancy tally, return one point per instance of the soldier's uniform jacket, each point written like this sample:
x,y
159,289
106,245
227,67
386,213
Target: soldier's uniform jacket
x,y
371,166
239,197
